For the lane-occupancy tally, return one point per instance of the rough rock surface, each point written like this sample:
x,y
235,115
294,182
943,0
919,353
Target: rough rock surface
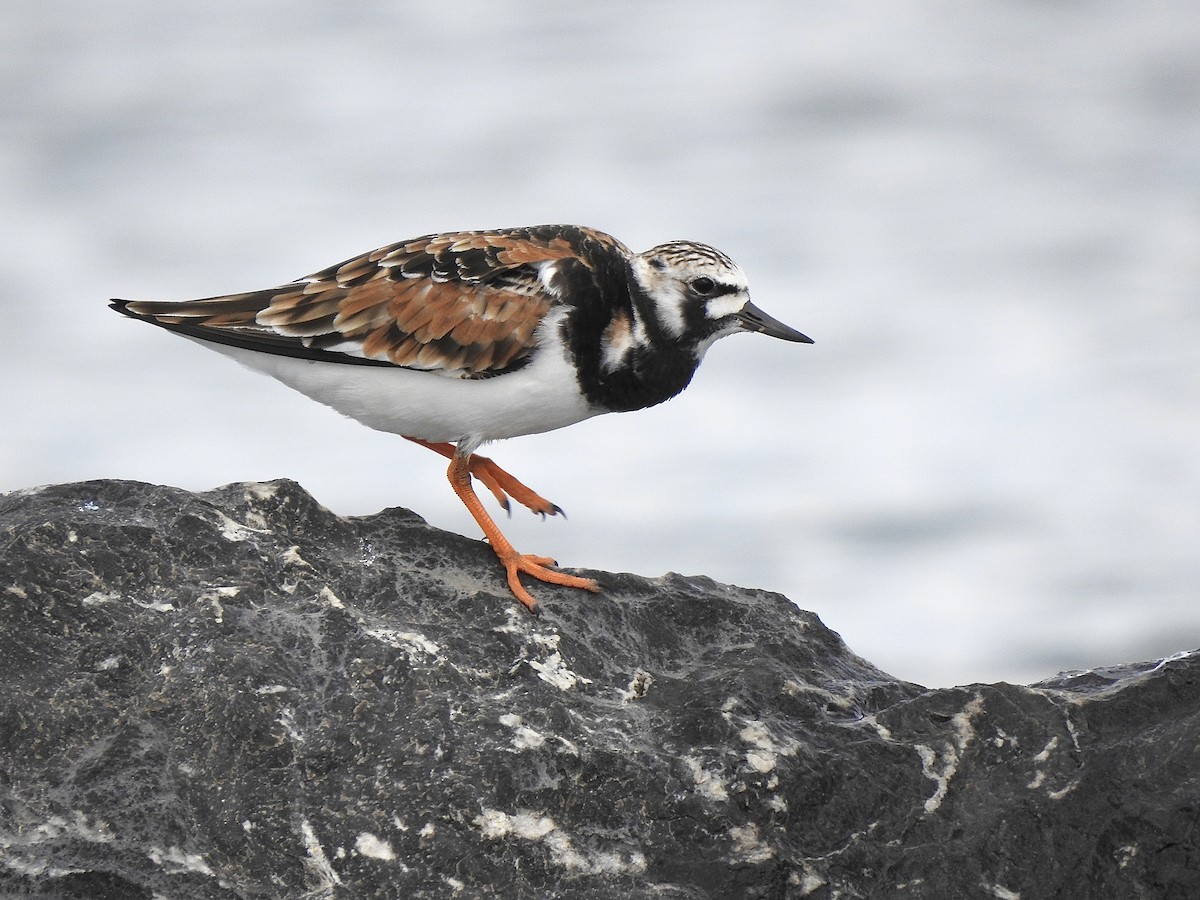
x,y
240,694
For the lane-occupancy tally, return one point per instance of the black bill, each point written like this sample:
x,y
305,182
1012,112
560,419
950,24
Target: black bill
x,y
752,318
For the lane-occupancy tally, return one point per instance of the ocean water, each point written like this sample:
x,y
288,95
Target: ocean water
x,y
987,216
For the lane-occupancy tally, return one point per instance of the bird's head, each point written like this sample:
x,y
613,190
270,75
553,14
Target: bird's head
x,y
698,294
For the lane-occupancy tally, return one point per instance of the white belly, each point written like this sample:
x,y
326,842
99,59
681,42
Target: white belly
x,y
541,396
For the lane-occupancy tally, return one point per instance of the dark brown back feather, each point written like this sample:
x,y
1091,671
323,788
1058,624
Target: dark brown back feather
x,y
464,302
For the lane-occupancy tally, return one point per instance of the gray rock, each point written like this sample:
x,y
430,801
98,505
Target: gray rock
x,y
240,694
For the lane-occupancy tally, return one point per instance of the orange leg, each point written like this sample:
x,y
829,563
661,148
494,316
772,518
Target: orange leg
x,y
514,563
499,482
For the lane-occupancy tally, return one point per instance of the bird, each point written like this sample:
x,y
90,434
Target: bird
x,y
456,339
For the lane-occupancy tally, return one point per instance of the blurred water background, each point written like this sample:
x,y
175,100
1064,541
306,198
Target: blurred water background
x,y
987,215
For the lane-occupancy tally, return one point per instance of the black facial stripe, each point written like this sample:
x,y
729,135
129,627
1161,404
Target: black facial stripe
x,y
720,290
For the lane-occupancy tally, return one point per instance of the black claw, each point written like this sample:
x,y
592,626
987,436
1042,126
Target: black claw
x,y
558,511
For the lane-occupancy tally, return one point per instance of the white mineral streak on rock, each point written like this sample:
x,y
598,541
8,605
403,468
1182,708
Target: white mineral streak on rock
x,y
371,845
524,738
1003,893
952,751
638,687
496,825
748,847
175,859
93,599
553,670
291,557
1039,775
413,644
328,596
258,492
708,786
317,862
763,752
232,530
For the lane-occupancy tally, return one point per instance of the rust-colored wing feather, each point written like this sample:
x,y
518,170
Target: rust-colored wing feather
x,y
465,303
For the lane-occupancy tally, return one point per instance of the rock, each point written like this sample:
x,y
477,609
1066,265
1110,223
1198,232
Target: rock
x,y
239,694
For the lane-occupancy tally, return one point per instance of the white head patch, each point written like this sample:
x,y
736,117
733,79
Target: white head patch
x,y
680,274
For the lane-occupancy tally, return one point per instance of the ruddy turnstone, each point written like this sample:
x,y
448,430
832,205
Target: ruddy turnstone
x,y
453,340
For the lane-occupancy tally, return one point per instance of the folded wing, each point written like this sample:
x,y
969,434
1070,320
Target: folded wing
x,y
465,303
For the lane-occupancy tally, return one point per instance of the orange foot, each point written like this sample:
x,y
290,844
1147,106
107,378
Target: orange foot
x,y
459,475
536,566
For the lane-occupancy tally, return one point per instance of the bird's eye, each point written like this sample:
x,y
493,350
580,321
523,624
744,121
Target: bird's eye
x,y
703,285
